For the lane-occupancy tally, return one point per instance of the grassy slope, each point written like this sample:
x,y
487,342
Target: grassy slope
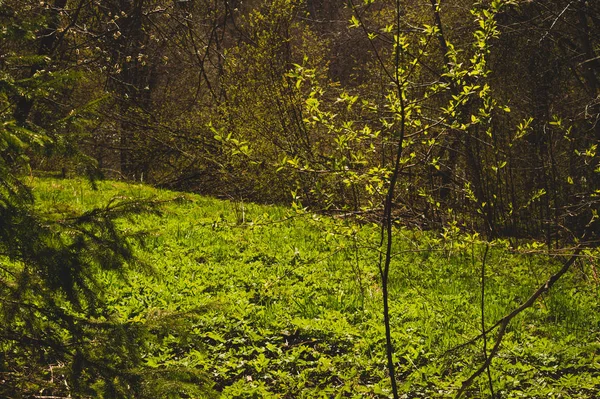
x,y
277,304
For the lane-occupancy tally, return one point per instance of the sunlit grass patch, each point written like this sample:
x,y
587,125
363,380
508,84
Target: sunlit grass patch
x,y
282,304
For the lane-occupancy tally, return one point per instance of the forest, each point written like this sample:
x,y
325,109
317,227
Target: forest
x,y
299,198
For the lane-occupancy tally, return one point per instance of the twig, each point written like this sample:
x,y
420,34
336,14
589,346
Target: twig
x,y
555,21
505,321
483,261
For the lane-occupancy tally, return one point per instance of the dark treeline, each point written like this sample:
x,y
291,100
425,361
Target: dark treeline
x,y
256,100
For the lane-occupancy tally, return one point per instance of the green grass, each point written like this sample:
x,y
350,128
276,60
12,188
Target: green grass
x,y
275,304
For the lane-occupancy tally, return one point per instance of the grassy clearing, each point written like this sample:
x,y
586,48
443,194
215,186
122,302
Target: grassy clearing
x,y
274,304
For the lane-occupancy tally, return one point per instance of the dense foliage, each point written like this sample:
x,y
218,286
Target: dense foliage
x,y
256,100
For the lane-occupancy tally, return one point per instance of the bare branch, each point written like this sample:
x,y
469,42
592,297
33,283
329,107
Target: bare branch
x,y
505,321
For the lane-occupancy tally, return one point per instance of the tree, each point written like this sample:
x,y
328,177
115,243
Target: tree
x,y
58,336
453,120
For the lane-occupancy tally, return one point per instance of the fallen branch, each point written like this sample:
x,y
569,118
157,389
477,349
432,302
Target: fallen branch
x,y
505,321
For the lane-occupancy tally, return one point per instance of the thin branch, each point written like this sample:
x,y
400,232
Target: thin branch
x,y
371,41
483,262
505,321
555,21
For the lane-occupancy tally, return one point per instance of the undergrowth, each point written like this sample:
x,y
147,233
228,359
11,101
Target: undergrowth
x,y
284,304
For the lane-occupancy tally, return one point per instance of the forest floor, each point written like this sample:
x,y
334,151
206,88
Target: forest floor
x,y
275,302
